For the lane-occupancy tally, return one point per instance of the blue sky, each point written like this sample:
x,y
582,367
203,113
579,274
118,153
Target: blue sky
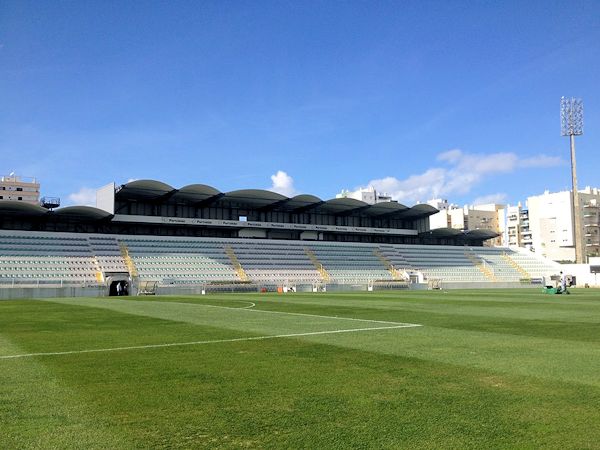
x,y
451,99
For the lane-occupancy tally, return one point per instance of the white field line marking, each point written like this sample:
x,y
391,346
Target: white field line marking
x,y
250,306
218,341
292,313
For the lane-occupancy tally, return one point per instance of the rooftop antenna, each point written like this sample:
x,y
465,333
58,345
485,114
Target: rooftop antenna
x,y
571,124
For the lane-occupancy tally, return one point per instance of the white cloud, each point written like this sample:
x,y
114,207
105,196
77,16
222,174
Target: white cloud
x,y
459,173
423,186
541,161
499,197
283,184
85,196
450,156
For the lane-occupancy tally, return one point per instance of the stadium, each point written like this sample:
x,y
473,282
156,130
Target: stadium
x,y
299,225
154,238
178,318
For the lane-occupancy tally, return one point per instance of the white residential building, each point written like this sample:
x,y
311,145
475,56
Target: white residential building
x,y
551,223
479,217
440,219
514,224
368,195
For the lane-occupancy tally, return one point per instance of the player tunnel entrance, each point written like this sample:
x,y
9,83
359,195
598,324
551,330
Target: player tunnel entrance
x,y
118,285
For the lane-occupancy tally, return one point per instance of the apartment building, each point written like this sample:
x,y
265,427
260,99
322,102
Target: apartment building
x,y
22,189
552,223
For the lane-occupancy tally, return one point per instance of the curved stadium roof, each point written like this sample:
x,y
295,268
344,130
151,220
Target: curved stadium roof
x,y
259,198
157,191
21,208
197,193
301,201
8,207
254,197
342,205
478,235
82,212
144,189
468,235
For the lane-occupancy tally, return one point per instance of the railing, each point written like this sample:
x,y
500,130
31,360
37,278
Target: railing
x,y
128,260
516,265
480,264
311,255
17,179
21,282
236,263
388,265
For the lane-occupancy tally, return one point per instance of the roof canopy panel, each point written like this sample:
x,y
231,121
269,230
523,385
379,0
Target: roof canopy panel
x,y
479,235
419,211
144,189
301,201
22,208
340,205
379,209
82,212
196,192
442,233
254,197
468,235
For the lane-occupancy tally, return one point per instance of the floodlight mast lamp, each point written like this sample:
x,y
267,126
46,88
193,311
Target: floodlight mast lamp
x,y
571,124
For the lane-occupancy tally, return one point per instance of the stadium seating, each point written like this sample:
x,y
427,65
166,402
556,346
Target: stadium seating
x,y
275,261
46,258
446,263
179,260
347,263
108,254
524,264
43,257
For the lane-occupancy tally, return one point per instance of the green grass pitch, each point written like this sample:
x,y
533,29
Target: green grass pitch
x,y
486,369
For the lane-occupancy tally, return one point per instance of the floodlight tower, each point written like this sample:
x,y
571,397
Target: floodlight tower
x,y
571,124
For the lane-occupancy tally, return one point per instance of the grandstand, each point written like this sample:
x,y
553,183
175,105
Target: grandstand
x,y
149,232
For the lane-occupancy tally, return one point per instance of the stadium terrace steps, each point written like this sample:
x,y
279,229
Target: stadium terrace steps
x,y
532,265
480,263
43,257
350,263
179,260
236,263
446,263
108,254
396,275
318,265
275,261
515,265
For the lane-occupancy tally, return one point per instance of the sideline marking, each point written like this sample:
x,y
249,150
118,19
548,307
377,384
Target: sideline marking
x,y
218,341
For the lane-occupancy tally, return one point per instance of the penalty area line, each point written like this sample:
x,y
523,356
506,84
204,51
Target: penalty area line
x,y
216,341
252,309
